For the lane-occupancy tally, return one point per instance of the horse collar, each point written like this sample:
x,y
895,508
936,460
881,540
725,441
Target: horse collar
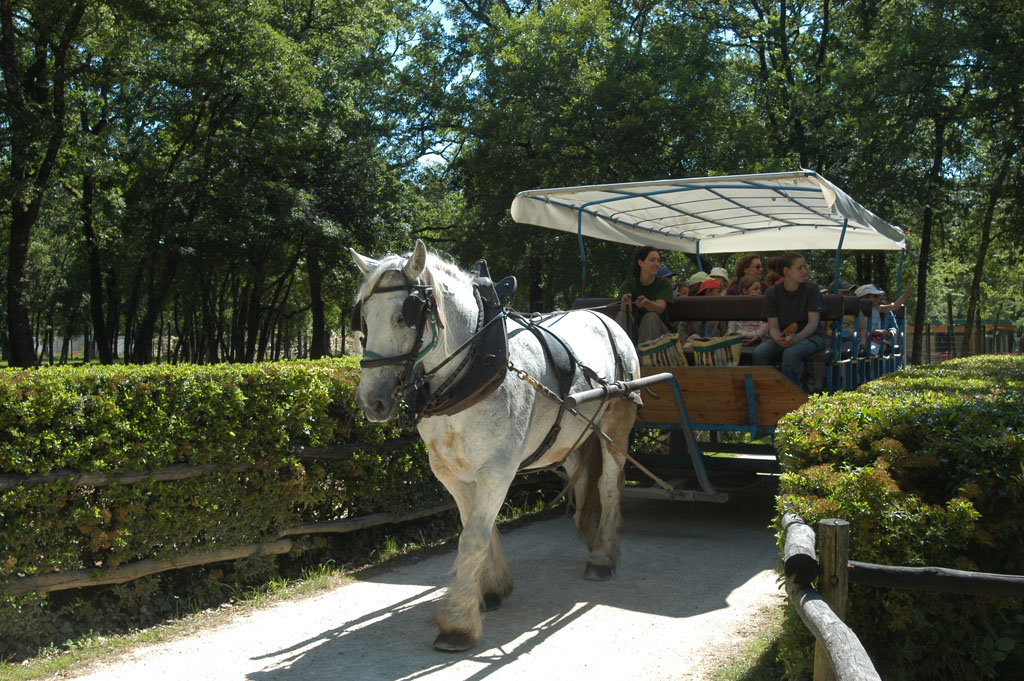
x,y
485,364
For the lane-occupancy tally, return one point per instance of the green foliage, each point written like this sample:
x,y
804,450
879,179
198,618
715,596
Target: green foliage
x,y
927,465
118,420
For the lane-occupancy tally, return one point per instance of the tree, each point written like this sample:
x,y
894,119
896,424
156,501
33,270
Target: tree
x,y
37,61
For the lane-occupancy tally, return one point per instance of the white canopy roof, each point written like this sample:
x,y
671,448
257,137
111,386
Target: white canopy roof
x,y
728,214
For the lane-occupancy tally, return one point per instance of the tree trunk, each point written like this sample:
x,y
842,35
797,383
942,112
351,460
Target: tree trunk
x,y
92,250
113,313
536,287
142,351
318,346
926,238
20,348
950,328
983,246
252,315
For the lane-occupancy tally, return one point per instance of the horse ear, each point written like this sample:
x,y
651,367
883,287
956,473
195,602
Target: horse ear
x,y
417,261
366,265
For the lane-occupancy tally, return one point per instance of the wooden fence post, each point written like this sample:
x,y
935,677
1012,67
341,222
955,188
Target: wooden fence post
x,y
833,554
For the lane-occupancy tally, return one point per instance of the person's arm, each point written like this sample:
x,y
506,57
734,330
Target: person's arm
x,y
813,317
898,303
773,330
625,294
661,297
656,306
736,326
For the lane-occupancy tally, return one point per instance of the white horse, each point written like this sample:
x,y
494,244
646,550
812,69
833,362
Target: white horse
x,y
420,314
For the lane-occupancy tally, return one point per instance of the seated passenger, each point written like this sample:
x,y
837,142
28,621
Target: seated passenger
x,y
793,309
849,321
704,329
882,333
773,275
750,265
644,298
753,331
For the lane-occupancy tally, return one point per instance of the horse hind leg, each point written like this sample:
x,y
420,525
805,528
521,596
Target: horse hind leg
x,y
585,493
601,513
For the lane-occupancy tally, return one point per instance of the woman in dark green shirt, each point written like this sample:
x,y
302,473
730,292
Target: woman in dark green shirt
x,y
644,298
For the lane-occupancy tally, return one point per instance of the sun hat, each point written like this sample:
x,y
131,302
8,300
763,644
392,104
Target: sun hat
x,y
665,272
696,278
868,290
719,272
709,284
843,286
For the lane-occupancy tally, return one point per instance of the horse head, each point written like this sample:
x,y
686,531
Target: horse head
x,y
391,310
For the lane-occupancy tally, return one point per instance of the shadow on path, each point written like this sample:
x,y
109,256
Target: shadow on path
x,y
680,565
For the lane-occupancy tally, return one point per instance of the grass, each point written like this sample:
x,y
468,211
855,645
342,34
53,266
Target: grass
x,y
759,660
94,648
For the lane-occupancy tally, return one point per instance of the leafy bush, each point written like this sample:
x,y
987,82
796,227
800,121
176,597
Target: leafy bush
x,y
927,465
115,420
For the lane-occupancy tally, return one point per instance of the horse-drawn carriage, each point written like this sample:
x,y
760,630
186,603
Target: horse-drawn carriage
x,y
733,214
494,393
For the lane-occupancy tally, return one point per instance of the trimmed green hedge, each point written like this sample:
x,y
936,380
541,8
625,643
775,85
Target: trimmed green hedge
x,y
116,420
927,465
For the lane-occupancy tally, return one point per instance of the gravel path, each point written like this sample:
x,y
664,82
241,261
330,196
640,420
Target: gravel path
x,y
692,585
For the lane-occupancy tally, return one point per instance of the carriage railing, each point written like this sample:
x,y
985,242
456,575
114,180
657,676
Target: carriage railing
x,y
845,368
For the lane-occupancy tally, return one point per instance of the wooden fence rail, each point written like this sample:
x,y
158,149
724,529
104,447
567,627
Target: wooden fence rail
x,y
945,580
59,581
824,614
183,472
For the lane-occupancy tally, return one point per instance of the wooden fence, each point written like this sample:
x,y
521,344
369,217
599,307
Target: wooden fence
x,y
838,653
81,578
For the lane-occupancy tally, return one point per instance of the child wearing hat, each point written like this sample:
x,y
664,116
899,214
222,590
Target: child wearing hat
x,y
878,332
709,286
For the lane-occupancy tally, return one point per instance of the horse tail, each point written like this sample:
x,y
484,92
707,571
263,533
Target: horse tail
x,y
588,496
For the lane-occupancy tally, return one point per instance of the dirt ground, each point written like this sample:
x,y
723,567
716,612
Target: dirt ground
x,y
691,590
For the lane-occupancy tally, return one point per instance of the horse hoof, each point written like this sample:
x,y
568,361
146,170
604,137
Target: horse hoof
x,y
454,641
598,573
492,601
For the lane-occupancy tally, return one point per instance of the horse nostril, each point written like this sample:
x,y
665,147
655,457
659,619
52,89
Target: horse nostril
x,y
380,408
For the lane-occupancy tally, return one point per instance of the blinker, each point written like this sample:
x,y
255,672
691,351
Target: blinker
x,y
413,309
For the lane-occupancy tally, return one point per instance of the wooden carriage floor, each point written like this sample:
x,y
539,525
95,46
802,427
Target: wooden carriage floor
x,y
693,584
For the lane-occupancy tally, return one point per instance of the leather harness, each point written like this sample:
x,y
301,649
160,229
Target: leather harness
x,y
486,361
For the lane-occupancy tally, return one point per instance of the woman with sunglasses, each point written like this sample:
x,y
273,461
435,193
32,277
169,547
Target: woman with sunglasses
x,y
749,265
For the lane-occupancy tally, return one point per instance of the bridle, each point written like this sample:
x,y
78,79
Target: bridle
x,y
418,309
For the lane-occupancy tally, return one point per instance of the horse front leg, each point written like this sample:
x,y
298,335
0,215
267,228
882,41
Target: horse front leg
x,y
481,573
495,579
